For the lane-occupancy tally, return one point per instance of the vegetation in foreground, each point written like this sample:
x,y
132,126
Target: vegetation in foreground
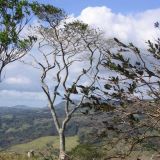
x,y
80,152
45,148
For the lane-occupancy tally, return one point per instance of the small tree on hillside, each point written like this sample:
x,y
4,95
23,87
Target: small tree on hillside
x,y
69,63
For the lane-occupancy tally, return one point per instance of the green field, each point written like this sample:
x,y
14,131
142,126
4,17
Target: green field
x,y
18,152
41,143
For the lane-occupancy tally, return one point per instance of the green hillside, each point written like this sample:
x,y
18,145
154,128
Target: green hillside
x,y
98,133
23,124
41,143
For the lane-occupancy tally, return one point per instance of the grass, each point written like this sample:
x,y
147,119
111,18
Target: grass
x,y
41,143
18,152
12,156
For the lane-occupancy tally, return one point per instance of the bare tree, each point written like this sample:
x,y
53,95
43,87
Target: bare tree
x,y
69,62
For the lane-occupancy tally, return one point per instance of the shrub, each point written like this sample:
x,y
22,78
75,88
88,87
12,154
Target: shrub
x,y
84,152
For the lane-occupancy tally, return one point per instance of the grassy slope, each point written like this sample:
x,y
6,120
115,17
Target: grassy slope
x,y
41,143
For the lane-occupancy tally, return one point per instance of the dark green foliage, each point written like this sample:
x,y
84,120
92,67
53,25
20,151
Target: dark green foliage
x,y
48,13
85,152
73,89
14,16
84,89
132,87
77,25
107,86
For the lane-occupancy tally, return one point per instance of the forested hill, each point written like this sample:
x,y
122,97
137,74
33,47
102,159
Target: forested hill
x,y
19,124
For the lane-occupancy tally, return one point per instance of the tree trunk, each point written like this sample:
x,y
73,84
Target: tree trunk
x,y
62,155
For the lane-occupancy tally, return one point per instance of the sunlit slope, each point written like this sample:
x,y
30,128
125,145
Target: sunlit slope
x,y
41,143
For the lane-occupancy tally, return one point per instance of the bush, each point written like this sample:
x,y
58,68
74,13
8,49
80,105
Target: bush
x,y
84,152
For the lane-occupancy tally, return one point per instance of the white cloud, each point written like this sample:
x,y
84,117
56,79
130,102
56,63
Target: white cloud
x,y
25,88
136,28
13,97
20,80
22,95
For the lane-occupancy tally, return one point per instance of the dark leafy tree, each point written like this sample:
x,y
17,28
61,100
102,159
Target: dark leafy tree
x,y
15,15
133,80
136,71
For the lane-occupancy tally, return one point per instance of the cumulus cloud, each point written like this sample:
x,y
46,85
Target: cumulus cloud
x,y
136,28
18,76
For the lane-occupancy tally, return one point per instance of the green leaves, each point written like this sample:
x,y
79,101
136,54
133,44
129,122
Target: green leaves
x,y
12,16
132,87
84,89
48,13
23,44
73,89
4,38
154,48
120,43
115,80
78,25
26,43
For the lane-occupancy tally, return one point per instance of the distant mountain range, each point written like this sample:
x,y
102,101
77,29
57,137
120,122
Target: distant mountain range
x,y
20,124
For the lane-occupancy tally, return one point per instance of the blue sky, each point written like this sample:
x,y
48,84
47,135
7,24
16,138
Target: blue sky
x,y
123,6
128,20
